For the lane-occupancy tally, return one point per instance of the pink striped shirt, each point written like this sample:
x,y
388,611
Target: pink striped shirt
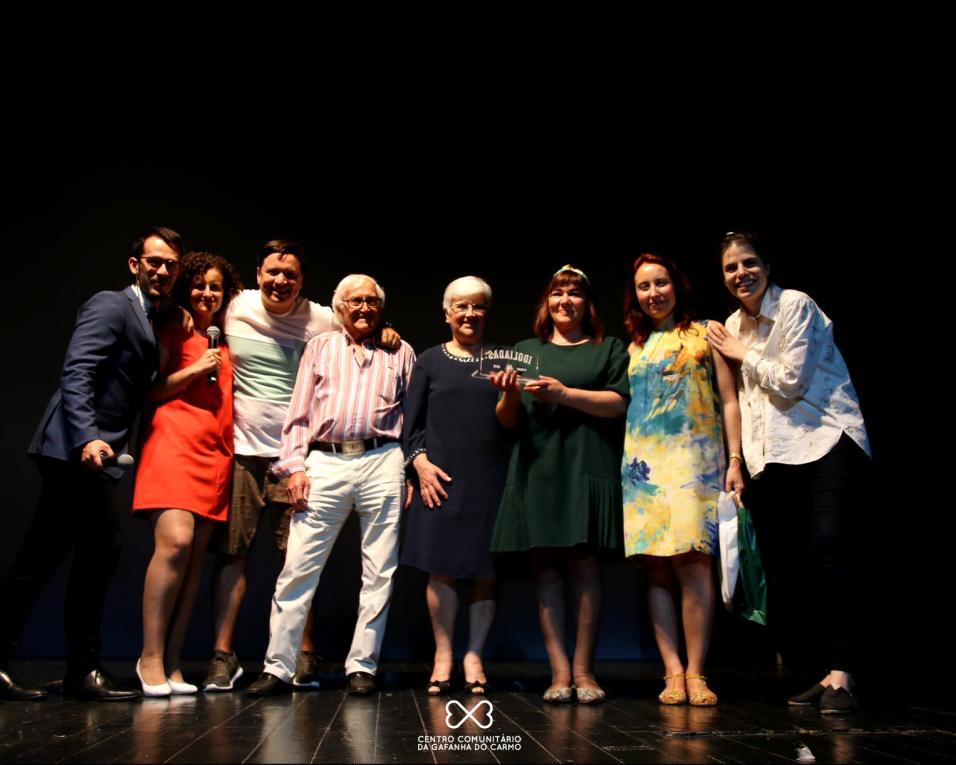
x,y
337,399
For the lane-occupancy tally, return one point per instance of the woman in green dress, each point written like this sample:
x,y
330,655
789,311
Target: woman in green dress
x,y
674,467
562,498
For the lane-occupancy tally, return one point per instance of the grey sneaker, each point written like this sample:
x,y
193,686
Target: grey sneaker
x,y
224,670
307,670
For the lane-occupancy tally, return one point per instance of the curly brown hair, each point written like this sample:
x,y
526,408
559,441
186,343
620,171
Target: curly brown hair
x,y
197,264
638,324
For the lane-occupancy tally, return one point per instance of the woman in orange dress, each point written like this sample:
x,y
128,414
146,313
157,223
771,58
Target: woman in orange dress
x,y
182,485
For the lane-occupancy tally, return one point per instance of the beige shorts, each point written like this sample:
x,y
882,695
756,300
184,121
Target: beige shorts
x,y
254,489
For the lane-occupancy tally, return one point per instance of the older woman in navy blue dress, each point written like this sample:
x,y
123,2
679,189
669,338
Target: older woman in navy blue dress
x,y
456,456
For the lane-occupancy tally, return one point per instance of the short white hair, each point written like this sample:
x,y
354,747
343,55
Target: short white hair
x,y
350,282
466,285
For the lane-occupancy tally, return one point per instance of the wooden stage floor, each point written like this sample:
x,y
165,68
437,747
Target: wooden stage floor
x,y
402,724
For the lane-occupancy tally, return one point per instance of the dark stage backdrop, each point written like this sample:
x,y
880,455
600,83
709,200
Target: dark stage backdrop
x,y
416,216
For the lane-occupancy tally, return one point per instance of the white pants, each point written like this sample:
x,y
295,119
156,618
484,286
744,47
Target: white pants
x,y
372,483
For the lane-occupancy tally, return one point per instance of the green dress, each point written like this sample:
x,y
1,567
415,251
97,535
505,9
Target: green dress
x,y
673,467
564,485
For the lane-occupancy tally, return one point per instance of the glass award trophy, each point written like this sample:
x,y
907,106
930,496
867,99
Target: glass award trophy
x,y
503,358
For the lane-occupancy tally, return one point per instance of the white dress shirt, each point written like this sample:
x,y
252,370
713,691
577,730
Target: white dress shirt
x,y
796,398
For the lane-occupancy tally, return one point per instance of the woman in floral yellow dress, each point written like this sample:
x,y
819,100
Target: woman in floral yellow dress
x,y
674,467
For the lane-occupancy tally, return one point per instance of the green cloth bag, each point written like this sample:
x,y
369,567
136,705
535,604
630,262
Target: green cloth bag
x,y
750,598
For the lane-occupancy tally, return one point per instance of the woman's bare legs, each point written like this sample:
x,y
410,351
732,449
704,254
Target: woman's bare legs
x,y
183,609
549,591
585,574
173,536
661,597
442,598
481,613
694,573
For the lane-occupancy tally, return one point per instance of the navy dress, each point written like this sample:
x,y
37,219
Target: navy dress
x,y
451,415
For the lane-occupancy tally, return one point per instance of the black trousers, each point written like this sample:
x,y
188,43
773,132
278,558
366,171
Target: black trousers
x,y
76,511
808,514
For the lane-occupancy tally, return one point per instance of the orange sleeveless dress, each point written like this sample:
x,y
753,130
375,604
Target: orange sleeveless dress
x,y
186,451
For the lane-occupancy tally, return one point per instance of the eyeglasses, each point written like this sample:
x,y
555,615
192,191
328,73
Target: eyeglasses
x,y
356,302
477,308
155,263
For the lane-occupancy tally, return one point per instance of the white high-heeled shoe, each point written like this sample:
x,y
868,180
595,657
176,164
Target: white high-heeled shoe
x,y
181,689
155,691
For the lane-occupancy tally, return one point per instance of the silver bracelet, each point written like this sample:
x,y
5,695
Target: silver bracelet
x,y
411,457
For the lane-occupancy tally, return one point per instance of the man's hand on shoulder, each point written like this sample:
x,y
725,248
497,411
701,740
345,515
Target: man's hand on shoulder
x,y
389,338
175,318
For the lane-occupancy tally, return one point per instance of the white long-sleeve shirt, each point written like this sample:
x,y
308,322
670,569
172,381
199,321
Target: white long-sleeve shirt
x,y
796,397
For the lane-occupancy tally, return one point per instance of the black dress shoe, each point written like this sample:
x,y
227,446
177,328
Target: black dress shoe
x,y
98,685
837,701
269,685
809,698
11,690
361,684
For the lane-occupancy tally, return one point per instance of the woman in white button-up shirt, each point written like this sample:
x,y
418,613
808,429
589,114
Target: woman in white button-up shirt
x,y
804,439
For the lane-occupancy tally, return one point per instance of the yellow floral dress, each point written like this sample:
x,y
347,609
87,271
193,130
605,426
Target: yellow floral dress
x,y
673,467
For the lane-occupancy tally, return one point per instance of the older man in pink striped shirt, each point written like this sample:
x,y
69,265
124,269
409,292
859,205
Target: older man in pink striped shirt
x,y
340,448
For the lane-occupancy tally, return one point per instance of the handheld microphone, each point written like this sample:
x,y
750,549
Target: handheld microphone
x,y
119,460
213,334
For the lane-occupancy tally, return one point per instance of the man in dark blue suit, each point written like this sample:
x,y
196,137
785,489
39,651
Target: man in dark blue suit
x,y
109,364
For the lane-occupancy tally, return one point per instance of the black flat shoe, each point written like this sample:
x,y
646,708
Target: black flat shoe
x,y
98,685
443,687
476,687
11,690
809,698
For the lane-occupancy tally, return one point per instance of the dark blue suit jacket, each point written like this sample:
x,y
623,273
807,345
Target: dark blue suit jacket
x,y
109,364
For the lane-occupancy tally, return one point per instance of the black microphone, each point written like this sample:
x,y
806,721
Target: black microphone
x,y
213,334
117,460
